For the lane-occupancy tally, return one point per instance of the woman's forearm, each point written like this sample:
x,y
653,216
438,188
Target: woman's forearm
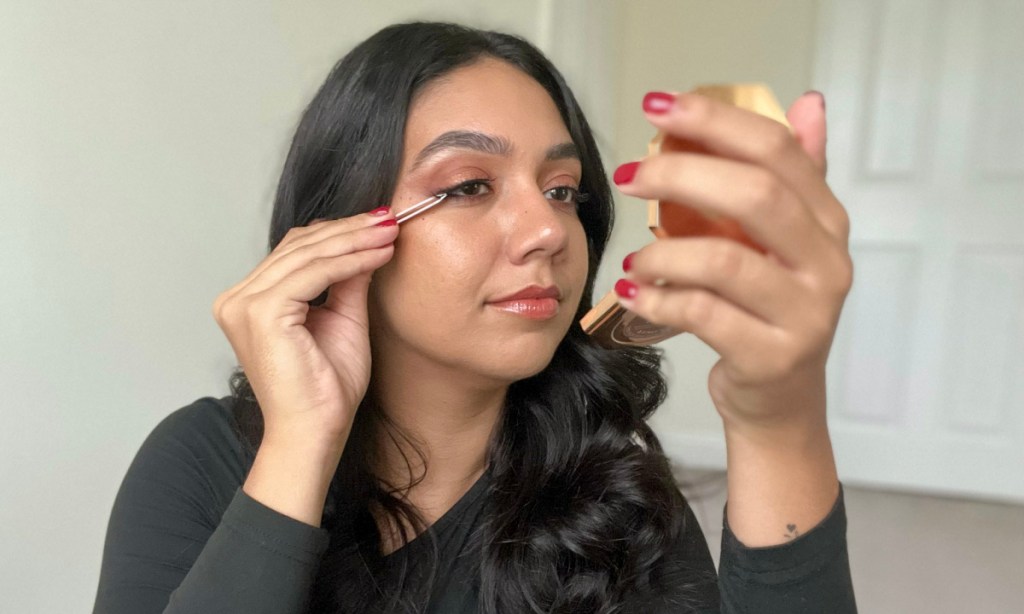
x,y
781,482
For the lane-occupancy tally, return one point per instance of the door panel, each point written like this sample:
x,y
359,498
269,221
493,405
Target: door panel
x,y
926,145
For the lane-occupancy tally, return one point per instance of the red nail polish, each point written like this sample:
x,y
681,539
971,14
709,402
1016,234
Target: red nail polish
x,y
391,222
626,288
821,97
379,211
624,174
627,263
658,102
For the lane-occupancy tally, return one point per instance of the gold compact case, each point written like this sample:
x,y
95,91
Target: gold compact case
x,y
609,323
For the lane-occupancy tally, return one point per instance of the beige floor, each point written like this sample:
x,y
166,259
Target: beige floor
x,y
910,553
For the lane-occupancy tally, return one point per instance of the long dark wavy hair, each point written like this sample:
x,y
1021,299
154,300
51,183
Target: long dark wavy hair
x,y
582,506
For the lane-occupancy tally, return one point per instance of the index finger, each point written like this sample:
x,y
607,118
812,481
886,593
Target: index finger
x,y
726,130
299,236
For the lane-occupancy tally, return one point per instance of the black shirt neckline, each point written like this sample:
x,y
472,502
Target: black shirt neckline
x,y
454,513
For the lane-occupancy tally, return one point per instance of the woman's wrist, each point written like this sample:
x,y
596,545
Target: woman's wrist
x,y
781,482
292,476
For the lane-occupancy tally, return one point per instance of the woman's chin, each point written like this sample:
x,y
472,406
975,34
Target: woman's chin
x,y
512,368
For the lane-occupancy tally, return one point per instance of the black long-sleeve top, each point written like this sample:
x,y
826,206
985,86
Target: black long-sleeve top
x,y
184,537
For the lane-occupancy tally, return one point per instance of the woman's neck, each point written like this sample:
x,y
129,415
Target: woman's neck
x,y
450,418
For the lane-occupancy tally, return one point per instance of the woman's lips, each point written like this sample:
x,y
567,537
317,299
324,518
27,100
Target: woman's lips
x,y
532,308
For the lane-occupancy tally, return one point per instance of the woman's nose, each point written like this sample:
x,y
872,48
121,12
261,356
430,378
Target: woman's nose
x,y
537,227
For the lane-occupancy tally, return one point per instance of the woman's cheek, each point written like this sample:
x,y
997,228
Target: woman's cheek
x,y
451,262
581,254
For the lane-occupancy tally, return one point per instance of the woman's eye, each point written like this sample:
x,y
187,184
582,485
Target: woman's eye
x,y
563,193
470,188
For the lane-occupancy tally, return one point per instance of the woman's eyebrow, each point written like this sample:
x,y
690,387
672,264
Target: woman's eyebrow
x,y
563,151
486,143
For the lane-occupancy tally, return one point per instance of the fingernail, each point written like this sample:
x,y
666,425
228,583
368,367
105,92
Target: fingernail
x,y
821,97
624,174
627,262
379,211
391,222
626,288
658,102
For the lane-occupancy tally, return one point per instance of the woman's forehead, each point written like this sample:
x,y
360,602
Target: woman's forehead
x,y
489,97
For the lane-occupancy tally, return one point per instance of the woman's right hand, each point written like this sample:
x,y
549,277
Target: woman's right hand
x,y
309,367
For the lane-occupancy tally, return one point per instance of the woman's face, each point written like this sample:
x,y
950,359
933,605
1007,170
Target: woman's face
x,y
512,225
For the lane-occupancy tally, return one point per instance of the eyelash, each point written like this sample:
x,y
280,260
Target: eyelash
x,y
578,197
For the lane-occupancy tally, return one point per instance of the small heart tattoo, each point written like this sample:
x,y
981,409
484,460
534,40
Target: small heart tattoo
x,y
793,533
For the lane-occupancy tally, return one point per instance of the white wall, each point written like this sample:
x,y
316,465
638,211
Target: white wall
x,y
140,144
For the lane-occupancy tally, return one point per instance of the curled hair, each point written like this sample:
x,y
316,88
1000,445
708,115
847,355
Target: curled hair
x,y
582,508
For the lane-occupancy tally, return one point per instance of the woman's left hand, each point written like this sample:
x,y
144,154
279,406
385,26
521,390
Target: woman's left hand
x,y
771,318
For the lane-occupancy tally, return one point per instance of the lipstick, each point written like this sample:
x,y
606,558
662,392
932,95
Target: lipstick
x,y
533,302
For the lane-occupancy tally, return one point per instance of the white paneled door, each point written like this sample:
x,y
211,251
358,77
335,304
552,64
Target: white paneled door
x,y
926,108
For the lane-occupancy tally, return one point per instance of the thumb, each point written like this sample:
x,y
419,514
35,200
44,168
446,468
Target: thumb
x,y
349,297
807,117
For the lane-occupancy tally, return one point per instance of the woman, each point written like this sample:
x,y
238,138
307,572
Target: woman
x,y
432,374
